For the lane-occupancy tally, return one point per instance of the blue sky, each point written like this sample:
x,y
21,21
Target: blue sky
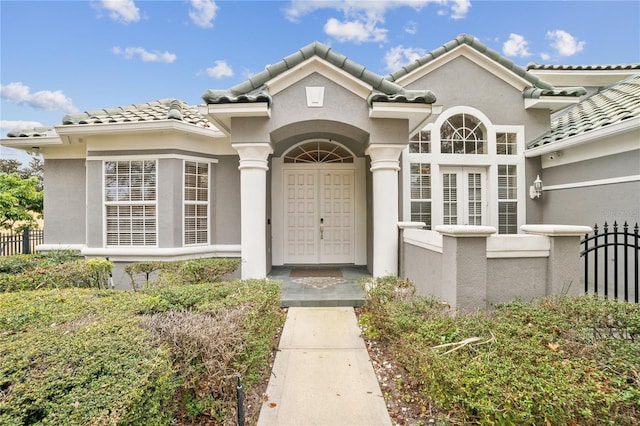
x,y
61,57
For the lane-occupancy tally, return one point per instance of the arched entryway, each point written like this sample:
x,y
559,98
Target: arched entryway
x,y
318,205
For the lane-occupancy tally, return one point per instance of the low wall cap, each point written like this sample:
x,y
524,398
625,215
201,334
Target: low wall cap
x,y
557,230
465,230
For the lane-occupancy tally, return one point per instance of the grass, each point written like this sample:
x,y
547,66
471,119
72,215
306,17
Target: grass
x,y
558,360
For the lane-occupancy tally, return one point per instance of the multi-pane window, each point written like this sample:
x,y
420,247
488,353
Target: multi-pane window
x,y
421,193
450,199
474,191
420,143
506,143
463,134
130,203
196,203
507,199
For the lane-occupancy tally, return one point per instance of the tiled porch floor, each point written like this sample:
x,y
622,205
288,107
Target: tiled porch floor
x,y
321,292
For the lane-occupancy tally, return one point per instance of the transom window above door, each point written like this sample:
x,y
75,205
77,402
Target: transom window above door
x,y
463,134
318,152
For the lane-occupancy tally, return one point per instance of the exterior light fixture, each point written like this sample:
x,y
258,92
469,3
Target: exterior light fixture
x,y
535,190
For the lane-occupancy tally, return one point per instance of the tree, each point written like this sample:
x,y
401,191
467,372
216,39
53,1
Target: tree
x,y
34,168
20,201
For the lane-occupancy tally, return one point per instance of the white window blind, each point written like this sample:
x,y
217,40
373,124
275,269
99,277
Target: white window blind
x,y
421,193
196,203
130,203
507,199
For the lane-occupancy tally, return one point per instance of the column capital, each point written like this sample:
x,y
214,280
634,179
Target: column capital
x,y
253,155
385,156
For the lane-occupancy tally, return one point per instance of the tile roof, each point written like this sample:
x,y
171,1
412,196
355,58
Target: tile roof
x,y
611,105
255,89
162,109
609,67
34,132
539,87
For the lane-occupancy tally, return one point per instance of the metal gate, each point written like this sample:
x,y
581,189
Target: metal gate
x,y
611,261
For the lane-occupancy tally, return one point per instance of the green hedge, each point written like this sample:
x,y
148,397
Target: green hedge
x,y
181,272
20,263
554,361
91,273
90,356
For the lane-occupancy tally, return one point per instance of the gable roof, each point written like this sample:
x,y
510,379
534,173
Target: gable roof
x,y
255,88
538,87
611,105
163,109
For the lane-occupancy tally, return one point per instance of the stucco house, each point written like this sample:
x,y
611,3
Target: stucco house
x,y
316,160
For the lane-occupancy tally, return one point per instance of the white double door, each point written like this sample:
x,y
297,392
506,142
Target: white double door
x,y
318,215
464,195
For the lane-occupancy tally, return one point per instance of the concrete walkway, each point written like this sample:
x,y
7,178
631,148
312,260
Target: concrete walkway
x,y
322,373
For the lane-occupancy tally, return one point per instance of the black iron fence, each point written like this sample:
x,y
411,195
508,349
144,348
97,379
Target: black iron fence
x,y
611,261
21,243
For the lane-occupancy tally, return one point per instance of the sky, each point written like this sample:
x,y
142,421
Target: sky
x,y
64,57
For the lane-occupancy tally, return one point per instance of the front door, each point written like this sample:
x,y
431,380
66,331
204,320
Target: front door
x,y
463,196
318,215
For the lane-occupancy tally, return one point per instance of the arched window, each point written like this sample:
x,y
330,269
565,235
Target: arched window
x,y
463,134
318,152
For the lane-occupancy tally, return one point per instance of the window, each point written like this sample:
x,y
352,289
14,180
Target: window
x,y
421,193
507,199
420,143
463,134
506,143
318,152
130,203
196,203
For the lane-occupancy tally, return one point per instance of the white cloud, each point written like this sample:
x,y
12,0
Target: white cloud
x,y
219,70
460,8
355,31
145,55
124,11
203,12
564,43
411,28
516,46
361,20
398,56
45,99
545,56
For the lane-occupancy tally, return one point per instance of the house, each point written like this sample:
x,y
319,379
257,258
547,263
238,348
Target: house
x,y
316,160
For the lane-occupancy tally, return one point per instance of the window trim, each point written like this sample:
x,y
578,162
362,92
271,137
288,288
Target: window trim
x,y
195,203
106,203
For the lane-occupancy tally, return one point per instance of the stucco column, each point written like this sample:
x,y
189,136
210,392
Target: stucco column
x,y
385,167
565,274
253,205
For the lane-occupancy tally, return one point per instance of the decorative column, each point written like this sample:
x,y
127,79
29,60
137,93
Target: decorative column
x,y
253,206
385,167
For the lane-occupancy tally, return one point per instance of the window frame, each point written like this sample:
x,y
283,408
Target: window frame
x,y
196,203
132,203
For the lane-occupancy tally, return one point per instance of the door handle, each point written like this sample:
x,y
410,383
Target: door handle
x,y
321,228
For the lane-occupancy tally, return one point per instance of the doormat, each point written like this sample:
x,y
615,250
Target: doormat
x,y
319,283
314,273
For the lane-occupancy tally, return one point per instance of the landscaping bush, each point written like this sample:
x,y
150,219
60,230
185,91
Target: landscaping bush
x,y
19,263
91,273
559,360
157,357
181,272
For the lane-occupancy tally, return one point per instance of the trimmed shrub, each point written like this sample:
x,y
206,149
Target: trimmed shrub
x,y
554,361
181,272
19,263
91,273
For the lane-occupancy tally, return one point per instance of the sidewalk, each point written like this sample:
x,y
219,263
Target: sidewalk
x,y
322,374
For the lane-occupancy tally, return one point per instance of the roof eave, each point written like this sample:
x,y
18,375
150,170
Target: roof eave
x,y
551,103
221,114
632,124
81,130
415,113
31,143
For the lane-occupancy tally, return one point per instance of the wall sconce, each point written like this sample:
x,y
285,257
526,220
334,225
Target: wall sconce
x,y
535,190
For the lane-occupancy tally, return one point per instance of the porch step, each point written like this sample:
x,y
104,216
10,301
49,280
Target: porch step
x,y
321,303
